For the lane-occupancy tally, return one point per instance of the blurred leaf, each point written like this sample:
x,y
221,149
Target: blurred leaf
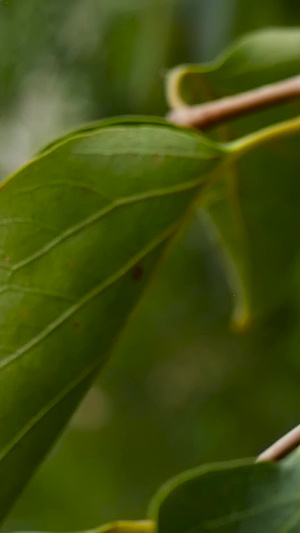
x,y
256,209
267,13
258,58
229,497
125,526
83,227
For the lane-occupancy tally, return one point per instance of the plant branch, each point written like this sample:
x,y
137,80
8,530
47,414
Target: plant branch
x,y
282,447
210,114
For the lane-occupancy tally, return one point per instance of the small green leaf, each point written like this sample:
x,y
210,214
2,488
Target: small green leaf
x,y
263,56
240,496
82,228
255,210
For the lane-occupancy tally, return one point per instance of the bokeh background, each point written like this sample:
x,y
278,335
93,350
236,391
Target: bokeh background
x,y
182,388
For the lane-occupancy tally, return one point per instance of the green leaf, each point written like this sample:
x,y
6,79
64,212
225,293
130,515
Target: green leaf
x,y
231,497
82,228
263,56
256,209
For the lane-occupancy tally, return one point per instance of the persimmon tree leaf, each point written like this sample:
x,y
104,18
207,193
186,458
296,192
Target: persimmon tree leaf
x,y
240,496
256,209
82,228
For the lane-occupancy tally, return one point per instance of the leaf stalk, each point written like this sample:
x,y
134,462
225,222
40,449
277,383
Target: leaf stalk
x,y
275,132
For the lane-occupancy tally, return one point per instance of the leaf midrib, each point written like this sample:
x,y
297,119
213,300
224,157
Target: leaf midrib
x,y
249,513
95,217
52,327
88,297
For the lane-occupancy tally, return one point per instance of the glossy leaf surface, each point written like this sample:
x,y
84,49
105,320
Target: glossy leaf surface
x,y
232,497
256,209
81,229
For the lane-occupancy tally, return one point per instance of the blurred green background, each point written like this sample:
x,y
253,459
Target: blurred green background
x,y
182,388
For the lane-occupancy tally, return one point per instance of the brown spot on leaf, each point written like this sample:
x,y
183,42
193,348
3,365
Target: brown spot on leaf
x,y
137,272
72,264
76,325
158,159
7,260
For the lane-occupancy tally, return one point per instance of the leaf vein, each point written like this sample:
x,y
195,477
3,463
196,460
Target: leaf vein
x,y
96,291
36,290
100,214
50,329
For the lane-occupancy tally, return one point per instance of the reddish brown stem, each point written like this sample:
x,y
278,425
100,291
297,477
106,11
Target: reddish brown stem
x,y
212,113
282,447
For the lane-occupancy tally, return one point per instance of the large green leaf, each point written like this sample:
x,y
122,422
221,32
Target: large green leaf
x,y
256,210
82,228
233,497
